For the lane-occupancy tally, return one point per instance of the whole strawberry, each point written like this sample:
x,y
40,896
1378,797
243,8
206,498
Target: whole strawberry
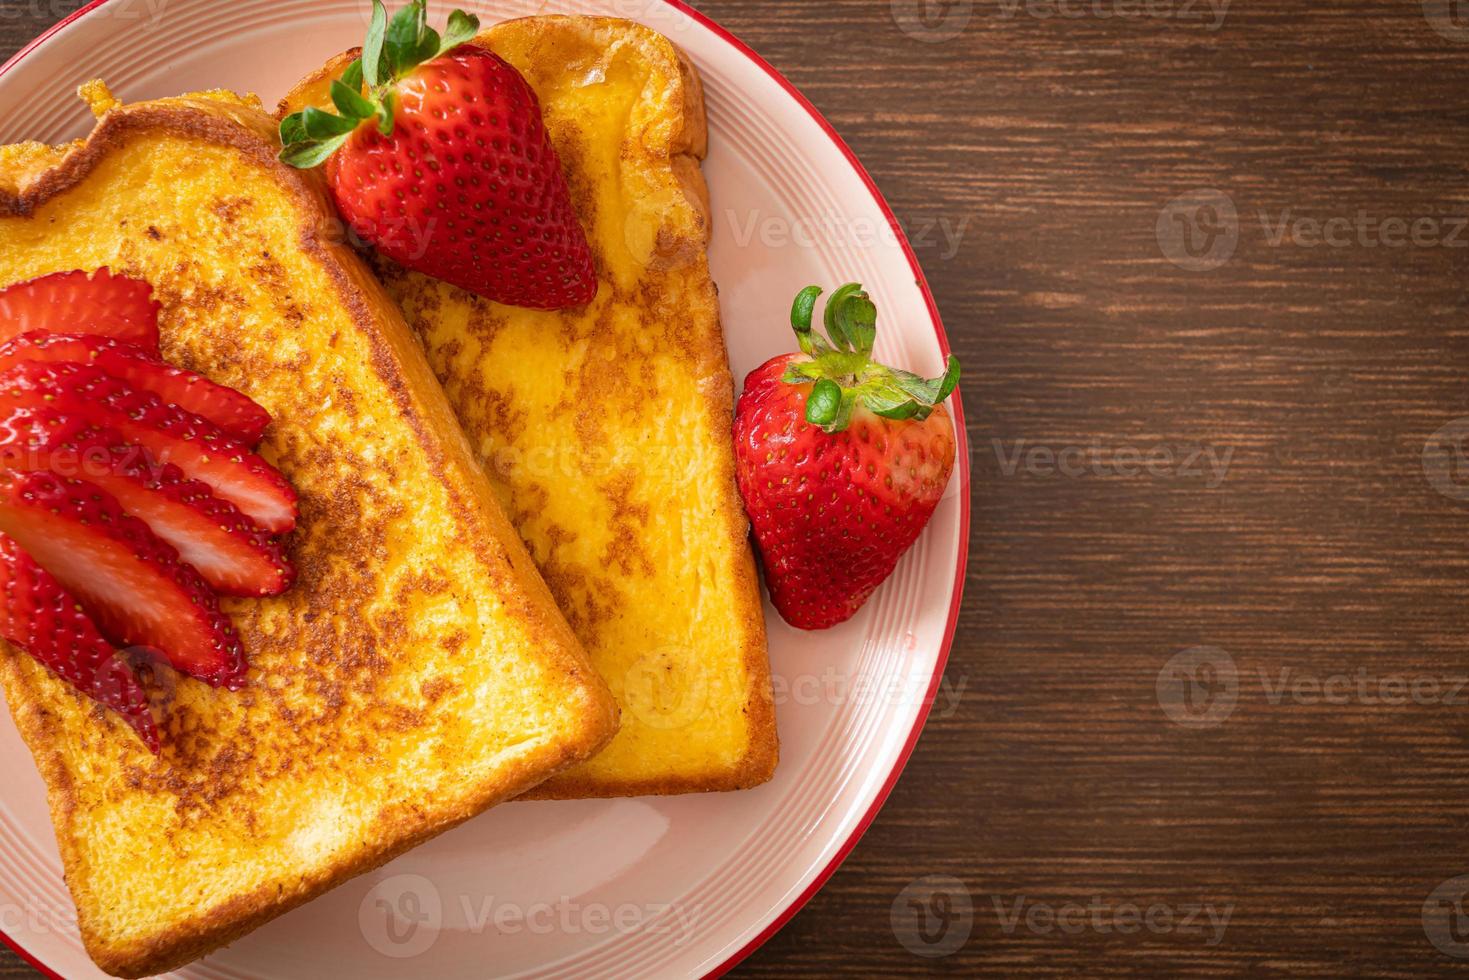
x,y
445,165
841,461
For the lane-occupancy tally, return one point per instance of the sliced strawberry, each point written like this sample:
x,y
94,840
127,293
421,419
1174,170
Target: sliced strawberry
x,y
76,302
43,619
227,408
134,586
233,554
172,435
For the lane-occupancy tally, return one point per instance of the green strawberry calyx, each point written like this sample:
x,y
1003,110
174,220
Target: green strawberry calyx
x,y
393,50
840,368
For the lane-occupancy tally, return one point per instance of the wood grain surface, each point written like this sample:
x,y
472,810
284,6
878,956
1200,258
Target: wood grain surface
x,y
1205,266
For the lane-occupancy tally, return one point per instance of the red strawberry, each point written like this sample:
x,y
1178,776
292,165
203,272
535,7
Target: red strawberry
x,y
225,407
43,619
841,461
131,583
232,554
76,302
195,445
446,167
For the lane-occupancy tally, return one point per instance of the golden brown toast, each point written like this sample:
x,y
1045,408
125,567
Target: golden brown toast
x,y
607,428
417,674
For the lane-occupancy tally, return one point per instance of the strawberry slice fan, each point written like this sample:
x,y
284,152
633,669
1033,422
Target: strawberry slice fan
x,y
175,507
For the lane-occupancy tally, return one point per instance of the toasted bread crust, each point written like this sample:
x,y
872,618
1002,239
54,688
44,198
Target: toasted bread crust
x,y
45,713
680,150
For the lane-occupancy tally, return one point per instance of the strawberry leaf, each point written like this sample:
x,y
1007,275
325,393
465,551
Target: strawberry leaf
x,y
835,329
402,40
410,42
372,51
321,125
801,312
844,412
293,130
350,102
855,316
824,402
387,112
949,381
352,77
462,29
898,410
926,391
428,46
311,153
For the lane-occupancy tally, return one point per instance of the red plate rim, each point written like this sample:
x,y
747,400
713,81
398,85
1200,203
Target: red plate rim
x,y
957,408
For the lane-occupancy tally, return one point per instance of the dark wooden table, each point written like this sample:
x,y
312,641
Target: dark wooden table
x,y
1208,271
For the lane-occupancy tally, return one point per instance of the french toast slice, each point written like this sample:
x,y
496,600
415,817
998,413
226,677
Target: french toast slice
x,y
418,673
607,428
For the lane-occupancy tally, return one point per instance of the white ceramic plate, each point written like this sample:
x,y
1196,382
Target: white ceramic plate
x,y
648,887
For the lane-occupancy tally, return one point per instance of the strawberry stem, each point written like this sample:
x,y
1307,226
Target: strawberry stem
x,y
841,371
